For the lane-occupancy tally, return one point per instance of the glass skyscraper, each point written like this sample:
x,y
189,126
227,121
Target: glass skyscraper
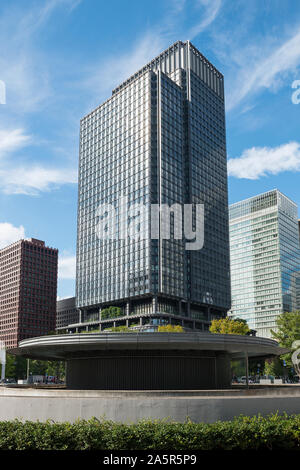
x,y
159,139
265,259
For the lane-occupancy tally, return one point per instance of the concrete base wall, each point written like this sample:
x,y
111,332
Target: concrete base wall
x,y
68,405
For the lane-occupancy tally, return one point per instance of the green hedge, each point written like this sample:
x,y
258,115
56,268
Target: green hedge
x,y
256,433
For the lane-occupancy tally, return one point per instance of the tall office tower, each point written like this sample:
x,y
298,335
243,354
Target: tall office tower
x,y
28,280
298,277
159,139
66,313
265,259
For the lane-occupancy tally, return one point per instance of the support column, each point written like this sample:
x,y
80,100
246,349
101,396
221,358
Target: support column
x,y
209,314
2,360
247,369
188,306
100,317
154,305
127,309
179,308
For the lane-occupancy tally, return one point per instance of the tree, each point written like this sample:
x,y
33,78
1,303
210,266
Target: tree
x,y
170,329
287,331
16,366
274,367
229,326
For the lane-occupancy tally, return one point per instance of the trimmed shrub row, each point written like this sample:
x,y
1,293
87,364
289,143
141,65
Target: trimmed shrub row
x,y
243,433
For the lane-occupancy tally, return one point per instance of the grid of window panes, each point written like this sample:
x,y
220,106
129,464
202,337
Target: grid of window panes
x,y
160,138
114,162
264,252
289,251
210,267
171,184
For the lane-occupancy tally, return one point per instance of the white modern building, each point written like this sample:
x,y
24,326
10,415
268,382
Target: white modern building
x,y
265,259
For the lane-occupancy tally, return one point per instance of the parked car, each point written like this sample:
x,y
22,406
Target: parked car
x,y
8,381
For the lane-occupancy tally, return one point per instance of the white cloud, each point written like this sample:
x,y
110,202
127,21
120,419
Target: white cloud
x,y
11,140
31,180
262,161
211,11
10,234
24,67
66,267
114,70
266,72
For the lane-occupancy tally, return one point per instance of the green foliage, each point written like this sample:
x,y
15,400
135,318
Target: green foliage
x,y
287,331
119,329
170,329
243,433
274,367
16,367
229,326
111,312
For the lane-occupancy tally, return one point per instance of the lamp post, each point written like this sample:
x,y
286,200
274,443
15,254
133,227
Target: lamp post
x,y
28,365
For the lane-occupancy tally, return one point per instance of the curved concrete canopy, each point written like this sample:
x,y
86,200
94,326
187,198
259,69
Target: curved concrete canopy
x,y
71,345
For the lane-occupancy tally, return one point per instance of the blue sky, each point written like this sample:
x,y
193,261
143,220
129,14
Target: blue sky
x,y
61,58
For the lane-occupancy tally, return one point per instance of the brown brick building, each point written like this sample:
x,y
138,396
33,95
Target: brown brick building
x,y
28,285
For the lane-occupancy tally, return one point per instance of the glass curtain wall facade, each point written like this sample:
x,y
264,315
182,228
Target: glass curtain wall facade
x,y
159,139
265,259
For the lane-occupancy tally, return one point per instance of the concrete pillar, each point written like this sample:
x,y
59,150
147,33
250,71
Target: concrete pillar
x,y
3,363
179,307
80,315
141,321
188,306
209,314
247,369
154,305
2,359
114,323
127,322
127,308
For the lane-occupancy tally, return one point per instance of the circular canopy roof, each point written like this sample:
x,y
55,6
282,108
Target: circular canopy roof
x,y
66,346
